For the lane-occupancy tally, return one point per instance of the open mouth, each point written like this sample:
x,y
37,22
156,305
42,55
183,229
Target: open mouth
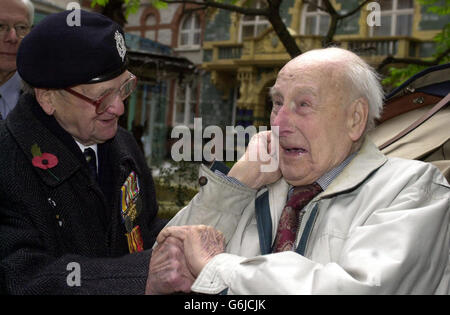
x,y
294,150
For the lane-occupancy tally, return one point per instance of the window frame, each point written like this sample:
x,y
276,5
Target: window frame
x,y
257,21
150,24
393,13
191,32
189,100
318,14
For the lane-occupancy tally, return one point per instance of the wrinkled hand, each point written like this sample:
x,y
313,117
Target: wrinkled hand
x,y
259,165
201,243
168,272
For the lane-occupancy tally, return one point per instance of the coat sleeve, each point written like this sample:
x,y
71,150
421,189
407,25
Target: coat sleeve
x,y
219,203
399,249
27,267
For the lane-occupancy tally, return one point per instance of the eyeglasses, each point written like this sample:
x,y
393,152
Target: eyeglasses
x,y
102,103
21,29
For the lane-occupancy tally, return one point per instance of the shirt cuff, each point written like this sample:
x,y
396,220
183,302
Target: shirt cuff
x,y
217,274
229,178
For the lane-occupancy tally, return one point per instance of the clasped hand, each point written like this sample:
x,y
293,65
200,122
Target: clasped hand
x,y
180,255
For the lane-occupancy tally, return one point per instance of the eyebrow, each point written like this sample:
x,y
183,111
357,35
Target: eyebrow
x,y
15,23
307,89
273,92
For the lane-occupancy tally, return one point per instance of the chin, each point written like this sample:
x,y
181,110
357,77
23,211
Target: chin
x,y
297,174
105,137
292,174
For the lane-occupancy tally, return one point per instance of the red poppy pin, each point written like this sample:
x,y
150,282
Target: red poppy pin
x,y
44,161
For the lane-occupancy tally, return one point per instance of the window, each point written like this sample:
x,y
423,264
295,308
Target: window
x,y
150,20
396,18
252,26
185,103
190,32
314,20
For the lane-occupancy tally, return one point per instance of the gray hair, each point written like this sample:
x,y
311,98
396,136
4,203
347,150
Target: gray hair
x,y
366,83
30,8
26,88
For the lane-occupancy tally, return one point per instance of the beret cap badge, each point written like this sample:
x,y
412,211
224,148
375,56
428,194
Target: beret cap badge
x,y
120,44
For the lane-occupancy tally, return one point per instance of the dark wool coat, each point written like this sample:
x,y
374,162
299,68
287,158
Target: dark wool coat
x,y
49,220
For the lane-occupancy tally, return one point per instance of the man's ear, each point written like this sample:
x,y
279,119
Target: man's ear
x,y
44,98
357,114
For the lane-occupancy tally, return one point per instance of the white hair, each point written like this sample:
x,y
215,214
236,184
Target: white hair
x,y
366,83
30,7
363,81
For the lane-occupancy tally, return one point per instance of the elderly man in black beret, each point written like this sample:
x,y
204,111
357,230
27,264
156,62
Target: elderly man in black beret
x,y
77,201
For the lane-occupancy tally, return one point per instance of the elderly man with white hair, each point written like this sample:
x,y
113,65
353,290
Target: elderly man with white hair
x,y
336,217
16,18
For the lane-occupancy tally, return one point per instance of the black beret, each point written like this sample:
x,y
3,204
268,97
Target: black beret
x,y
57,55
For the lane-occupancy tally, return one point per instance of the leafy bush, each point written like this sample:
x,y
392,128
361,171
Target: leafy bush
x,y
176,184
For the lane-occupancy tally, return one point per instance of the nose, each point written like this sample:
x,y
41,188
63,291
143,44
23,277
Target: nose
x,y
117,106
11,36
281,119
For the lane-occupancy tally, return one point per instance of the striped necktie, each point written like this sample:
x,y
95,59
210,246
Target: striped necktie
x,y
292,215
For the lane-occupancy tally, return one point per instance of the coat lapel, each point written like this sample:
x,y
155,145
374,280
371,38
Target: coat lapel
x,y
366,161
27,130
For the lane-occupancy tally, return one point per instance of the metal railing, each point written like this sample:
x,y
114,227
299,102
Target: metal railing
x,y
229,52
366,47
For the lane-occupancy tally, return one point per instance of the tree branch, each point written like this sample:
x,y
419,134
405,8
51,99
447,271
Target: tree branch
x,y
354,10
282,32
330,9
224,6
334,18
271,12
419,62
195,9
274,3
315,5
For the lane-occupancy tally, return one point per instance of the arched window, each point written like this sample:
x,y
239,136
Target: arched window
x,y
314,21
396,18
252,26
190,31
150,20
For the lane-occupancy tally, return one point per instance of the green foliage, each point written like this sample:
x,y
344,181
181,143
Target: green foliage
x,y
439,7
131,6
159,4
442,40
399,75
99,2
175,185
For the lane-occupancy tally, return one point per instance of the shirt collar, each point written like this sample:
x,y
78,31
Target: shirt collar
x,y
10,92
93,147
325,180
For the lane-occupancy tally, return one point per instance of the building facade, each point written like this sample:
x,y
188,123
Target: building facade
x,y
244,54
239,56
